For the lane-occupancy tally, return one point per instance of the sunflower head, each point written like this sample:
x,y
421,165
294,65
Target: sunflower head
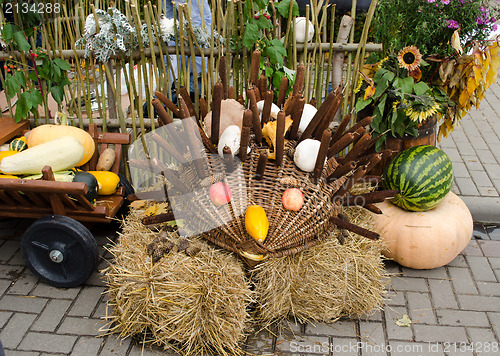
x,y
423,109
409,58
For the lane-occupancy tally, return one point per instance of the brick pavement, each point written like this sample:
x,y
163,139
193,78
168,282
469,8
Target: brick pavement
x,y
453,309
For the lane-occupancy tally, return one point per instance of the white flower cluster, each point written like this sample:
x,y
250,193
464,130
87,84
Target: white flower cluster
x,y
117,35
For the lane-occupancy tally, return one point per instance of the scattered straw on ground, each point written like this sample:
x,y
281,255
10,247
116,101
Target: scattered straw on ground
x,y
200,304
325,282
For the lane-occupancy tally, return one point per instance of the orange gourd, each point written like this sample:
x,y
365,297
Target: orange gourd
x,y
425,240
45,133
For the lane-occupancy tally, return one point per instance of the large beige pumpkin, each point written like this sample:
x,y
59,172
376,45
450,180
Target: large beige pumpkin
x,y
45,133
425,240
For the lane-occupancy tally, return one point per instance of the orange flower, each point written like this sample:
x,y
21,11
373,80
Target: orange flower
x,y
409,58
369,92
416,74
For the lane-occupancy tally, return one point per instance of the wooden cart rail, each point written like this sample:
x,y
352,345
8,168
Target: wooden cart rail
x,y
25,198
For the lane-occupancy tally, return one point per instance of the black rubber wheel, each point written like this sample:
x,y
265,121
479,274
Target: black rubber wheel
x,y
60,251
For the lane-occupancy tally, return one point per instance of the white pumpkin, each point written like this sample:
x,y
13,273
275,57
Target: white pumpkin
x,y
425,240
300,30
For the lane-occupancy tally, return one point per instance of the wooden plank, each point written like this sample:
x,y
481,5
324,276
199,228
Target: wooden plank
x,y
19,198
84,202
10,129
6,199
54,198
37,199
113,137
116,165
43,186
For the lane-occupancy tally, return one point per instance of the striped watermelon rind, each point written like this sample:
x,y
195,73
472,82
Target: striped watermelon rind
x,y
18,145
422,174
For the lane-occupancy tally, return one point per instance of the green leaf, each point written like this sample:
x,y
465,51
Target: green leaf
x,y
261,4
269,71
420,88
278,75
23,106
406,85
290,73
283,8
274,55
32,76
361,104
21,42
263,23
251,35
12,86
57,93
35,97
8,32
381,105
61,63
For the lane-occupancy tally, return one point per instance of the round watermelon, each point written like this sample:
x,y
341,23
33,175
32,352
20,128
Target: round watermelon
x,y
422,174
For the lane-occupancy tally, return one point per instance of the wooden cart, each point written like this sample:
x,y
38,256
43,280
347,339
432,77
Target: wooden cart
x,y
57,247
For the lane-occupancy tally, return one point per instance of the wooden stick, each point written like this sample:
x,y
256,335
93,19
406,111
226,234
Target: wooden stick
x,y
228,159
257,128
318,116
254,67
358,173
261,165
328,117
369,198
338,146
268,101
223,76
162,113
364,122
341,128
344,224
245,140
298,86
280,138
296,116
157,219
282,91
187,99
323,151
341,171
170,105
171,150
358,149
216,104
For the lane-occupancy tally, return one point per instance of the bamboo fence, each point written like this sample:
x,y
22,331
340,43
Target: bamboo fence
x,y
102,88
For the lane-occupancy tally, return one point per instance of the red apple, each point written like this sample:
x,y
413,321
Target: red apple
x,y
293,199
220,193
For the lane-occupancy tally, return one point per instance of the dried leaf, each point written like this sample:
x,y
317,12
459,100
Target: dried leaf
x,y
137,204
464,96
455,42
269,130
405,321
471,85
160,208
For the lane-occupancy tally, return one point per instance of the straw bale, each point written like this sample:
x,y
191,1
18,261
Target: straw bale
x,y
324,282
196,301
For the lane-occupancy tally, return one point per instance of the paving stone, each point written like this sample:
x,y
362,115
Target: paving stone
x,y
447,142
479,232
473,249
35,341
466,186
10,273
481,269
24,284
87,346
52,315
20,353
80,326
461,318
493,232
113,346
409,284
480,178
291,326
12,334
479,303
489,288
376,316
4,317
9,248
487,191
453,154
483,341
495,149
22,304
496,184
350,347
442,294
485,156
17,259
433,333
415,348
262,341
339,328
495,322
459,261
478,145
420,308
303,344
454,189
465,148
490,248
392,268
489,138
395,332
44,290
371,334
472,163
86,301
425,273
460,170
396,298
4,285
100,312
494,262
96,278
462,281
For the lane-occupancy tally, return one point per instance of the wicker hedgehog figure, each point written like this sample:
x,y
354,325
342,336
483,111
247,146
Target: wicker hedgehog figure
x,y
254,186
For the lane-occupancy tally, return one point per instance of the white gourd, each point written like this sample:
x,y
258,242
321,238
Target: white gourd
x,y
60,154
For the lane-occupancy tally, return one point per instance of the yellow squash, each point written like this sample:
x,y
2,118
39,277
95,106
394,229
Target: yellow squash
x,y
108,181
256,222
8,176
4,154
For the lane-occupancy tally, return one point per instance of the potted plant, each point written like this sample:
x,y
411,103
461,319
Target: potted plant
x,y
437,62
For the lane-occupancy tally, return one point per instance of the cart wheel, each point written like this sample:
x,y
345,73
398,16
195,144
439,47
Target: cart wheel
x,y
60,251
